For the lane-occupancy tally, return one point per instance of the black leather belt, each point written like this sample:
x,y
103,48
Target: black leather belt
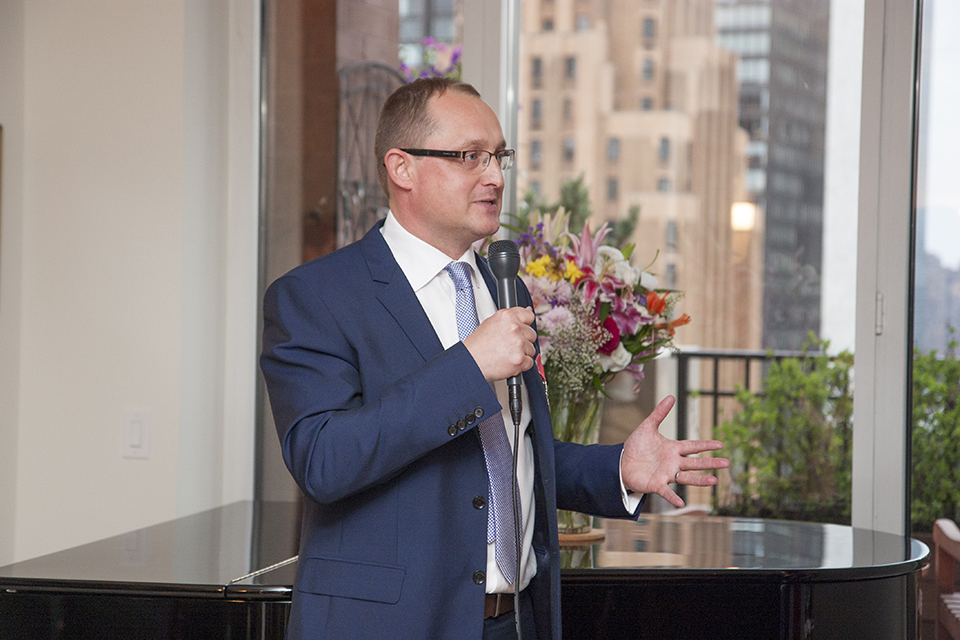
x,y
497,604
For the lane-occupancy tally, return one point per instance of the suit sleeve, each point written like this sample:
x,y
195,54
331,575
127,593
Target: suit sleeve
x,y
588,480
341,431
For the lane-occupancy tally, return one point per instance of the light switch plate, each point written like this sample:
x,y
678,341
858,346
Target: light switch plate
x,y
136,434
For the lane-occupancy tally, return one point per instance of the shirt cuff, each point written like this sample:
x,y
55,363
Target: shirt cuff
x,y
631,502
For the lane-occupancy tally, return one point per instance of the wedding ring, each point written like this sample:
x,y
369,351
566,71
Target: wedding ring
x,y
676,477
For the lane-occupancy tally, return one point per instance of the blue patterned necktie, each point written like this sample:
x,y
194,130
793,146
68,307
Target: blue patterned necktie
x,y
501,524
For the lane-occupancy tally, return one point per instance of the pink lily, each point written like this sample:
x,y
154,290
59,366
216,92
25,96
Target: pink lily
x,y
585,246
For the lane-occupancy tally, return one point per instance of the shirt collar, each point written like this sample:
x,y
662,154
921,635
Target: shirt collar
x,y
419,261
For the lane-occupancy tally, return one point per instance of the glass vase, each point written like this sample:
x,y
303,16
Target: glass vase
x,y
576,419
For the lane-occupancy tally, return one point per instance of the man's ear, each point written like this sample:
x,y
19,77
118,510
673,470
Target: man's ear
x,y
400,169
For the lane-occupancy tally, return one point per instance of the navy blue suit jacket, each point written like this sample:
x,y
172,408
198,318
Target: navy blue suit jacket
x,y
364,396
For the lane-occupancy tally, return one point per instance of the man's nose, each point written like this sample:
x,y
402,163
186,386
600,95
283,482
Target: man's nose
x,y
492,173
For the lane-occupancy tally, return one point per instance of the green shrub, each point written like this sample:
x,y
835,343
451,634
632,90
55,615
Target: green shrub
x,y
936,438
790,445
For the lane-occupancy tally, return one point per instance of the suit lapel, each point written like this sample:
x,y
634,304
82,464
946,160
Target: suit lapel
x,y
488,278
397,296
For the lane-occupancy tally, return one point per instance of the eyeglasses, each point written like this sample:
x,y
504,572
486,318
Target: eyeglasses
x,y
473,159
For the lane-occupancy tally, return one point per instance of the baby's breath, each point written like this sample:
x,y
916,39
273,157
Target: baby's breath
x,y
572,358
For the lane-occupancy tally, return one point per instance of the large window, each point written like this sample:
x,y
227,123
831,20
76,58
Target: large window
x,y
936,319
740,128
766,165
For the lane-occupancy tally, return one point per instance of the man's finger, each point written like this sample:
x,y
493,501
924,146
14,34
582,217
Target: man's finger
x,y
696,480
671,497
690,447
702,464
661,410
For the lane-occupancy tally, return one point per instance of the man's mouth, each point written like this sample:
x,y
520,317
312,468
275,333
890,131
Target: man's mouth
x,y
491,201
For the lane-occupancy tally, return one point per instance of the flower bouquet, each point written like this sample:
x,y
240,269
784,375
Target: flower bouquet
x,y
597,315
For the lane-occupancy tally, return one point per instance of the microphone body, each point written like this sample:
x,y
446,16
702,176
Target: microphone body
x,y
504,259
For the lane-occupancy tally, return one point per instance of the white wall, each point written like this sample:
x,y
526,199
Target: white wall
x,y
11,207
137,264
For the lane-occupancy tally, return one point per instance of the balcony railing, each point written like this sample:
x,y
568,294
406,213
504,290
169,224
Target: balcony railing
x,y
753,363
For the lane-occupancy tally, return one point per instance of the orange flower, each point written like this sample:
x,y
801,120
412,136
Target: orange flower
x,y
656,303
673,324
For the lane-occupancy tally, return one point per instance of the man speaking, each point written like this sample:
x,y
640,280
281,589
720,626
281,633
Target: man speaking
x,y
386,365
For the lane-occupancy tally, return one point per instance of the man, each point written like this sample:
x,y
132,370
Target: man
x,y
384,402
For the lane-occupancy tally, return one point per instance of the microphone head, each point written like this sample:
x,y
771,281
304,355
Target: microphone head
x,y
504,259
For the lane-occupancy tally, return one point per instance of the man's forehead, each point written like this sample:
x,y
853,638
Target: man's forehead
x,y
466,120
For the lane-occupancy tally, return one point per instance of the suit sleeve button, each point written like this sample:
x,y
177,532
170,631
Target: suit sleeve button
x,y
478,412
479,577
479,502
470,418
452,430
461,425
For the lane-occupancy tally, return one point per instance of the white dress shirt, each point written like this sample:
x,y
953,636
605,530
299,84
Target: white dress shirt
x,y
423,265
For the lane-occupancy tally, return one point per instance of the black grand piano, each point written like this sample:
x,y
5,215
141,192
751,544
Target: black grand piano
x,y
226,573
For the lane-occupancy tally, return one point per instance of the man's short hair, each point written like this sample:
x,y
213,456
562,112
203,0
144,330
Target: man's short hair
x,y
405,121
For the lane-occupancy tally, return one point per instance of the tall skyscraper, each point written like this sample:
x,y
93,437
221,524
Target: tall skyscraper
x,y
782,73
637,98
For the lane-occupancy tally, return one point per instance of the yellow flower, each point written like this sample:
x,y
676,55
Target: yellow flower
x,y
572,271
539,267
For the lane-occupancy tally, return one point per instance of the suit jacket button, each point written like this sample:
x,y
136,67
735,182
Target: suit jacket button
x,y
452,430
479,577
479,502
478,412
461,425
470,418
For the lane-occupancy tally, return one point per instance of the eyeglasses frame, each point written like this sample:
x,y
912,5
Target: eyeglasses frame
x,y
501,156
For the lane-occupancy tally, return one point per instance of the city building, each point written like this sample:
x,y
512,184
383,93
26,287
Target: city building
x,y
638,99
782,74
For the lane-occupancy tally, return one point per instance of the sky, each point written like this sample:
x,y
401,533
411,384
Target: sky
x,y
939,169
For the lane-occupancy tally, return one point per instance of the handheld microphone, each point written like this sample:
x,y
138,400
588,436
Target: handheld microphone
x,y
504,259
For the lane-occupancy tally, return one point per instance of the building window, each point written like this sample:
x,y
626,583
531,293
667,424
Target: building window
x,y
535,188
583,22
671,275
569,147
754,70
548,25
613,149
646,104
612,189
663,185
649,28
567,109
570,67
671,240
664,151
537,72
536,154
536,113
647,70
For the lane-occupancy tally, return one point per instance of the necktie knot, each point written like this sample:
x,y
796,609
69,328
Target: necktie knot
x,y
460,274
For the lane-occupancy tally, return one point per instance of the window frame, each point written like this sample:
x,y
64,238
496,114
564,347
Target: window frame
x,y
884,237
885,240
